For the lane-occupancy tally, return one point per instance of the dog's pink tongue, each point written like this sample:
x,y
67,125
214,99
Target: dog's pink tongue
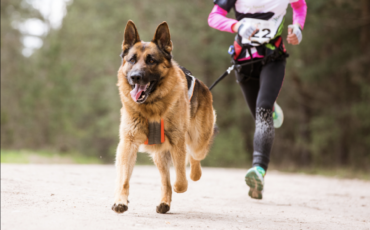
x,y
136,92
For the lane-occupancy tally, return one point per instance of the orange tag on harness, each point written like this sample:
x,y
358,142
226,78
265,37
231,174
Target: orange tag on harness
x,y
156,133
237,49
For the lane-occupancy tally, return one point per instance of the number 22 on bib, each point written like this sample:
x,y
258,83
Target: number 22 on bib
x,y
266,31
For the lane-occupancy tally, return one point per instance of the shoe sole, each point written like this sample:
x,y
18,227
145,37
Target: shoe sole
x,y
278,108
255,184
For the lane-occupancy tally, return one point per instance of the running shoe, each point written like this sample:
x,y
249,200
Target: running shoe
x,y
278,116
254,180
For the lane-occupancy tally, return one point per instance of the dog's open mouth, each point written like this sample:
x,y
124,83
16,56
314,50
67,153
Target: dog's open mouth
x,y
141,92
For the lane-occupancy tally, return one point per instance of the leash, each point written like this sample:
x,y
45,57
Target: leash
x,y
231,68
227,72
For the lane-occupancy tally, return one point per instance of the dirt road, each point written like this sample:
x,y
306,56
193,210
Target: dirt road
x,y
80,197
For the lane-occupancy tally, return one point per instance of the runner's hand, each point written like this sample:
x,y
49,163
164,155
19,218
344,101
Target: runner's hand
x,y
246,30
294,34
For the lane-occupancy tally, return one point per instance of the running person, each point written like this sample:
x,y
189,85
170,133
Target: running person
x,y
259,25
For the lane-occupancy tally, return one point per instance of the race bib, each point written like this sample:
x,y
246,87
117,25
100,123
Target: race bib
x,y
266,31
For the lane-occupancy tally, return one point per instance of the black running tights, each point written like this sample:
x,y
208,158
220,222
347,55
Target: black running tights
x,y
260,86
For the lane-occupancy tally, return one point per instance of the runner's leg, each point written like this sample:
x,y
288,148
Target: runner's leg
x,y
271,80
250,92
249,83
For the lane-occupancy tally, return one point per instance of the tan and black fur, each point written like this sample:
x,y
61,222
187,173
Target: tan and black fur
x,y
188,125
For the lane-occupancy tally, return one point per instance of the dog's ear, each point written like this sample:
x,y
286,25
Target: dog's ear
x,y
131,36
162,38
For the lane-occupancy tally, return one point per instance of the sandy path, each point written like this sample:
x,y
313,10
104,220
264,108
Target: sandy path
x,y
80,196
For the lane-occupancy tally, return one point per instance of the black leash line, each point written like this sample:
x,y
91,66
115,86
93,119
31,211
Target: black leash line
x,y
231,68
227,72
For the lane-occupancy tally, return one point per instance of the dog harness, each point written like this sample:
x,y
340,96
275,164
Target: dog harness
x,y
191,85
156,129
156,133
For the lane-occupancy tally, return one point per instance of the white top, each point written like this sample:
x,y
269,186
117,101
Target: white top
x,y
270,28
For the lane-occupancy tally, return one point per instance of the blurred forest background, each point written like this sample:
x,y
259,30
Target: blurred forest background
x,y
62,97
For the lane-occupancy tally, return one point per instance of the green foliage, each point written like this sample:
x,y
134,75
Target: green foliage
x,y
45,157
228,150
64,97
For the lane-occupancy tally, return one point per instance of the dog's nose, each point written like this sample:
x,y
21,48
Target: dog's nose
x,y
136,77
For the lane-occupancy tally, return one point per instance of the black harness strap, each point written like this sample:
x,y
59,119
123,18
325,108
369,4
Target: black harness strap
x,y
269,57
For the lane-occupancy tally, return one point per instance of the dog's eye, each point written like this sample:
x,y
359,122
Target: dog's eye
x,y
132,60
150,60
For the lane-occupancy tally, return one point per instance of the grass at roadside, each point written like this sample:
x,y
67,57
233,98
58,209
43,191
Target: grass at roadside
x,y
343,173
44,157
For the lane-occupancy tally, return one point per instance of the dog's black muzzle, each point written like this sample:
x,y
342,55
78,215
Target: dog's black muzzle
x,y
137,77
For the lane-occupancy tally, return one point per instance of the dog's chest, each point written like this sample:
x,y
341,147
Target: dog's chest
x,y
156,129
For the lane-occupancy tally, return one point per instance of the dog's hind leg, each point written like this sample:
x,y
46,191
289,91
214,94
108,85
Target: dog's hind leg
x,y
196,169
125,161
199,142
178,154
201,133
194,158
162,160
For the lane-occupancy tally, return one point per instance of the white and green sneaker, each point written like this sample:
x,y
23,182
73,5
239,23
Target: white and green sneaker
x,y
254,180
278,116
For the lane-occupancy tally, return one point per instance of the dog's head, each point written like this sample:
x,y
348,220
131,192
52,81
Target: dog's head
x,y
145,63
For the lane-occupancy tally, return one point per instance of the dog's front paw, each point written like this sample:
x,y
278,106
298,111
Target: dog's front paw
x,y
163,208
119,208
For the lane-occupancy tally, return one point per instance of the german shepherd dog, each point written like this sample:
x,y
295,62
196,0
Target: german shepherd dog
x,y
154,94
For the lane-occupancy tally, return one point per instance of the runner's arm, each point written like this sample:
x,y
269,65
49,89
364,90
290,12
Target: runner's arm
x,y
299,12
217,19
299,18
